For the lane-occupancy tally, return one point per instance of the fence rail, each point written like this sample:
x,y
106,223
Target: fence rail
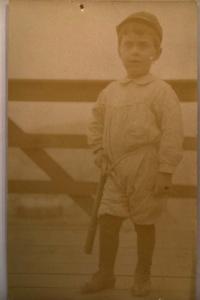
x,y
80,90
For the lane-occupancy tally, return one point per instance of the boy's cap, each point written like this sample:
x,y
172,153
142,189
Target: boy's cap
x,y
143,17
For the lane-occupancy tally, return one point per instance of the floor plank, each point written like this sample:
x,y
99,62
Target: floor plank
x,y
46,258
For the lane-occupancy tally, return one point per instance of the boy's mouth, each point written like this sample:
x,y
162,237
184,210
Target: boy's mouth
x,y
134,61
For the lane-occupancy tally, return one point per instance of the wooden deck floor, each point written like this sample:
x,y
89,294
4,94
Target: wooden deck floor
x,y
46,258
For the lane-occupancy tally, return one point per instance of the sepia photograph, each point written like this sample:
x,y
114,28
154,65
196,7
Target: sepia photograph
x,y
102,150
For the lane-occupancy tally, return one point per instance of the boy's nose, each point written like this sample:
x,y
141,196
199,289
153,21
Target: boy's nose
x,y
134,50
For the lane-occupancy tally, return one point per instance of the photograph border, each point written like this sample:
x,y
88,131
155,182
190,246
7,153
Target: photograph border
x,y
3,148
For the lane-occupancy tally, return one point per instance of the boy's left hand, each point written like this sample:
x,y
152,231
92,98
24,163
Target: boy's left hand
x,y
163,184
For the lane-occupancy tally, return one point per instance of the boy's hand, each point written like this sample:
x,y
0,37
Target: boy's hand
x,y
163,184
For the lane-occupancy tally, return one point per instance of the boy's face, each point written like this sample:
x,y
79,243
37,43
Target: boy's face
x,y
138,51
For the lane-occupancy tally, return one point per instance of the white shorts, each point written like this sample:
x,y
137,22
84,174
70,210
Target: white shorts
x,y
129,189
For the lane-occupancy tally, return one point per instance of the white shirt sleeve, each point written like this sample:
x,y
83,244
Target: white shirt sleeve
x,y
168,111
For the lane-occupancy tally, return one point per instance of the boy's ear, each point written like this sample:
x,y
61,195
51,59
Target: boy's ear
x,y
158,54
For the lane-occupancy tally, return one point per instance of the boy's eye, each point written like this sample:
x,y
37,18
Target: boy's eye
x,y
141,45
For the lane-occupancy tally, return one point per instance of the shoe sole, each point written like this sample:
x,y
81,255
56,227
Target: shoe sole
x,y
140,294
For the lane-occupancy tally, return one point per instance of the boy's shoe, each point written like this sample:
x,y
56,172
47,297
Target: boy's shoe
x,y
98,282
142,283
141,288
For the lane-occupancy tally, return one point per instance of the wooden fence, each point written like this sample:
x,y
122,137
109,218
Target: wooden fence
x,y
34,145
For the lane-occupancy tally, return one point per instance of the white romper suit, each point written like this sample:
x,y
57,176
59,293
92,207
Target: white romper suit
x,y
137,122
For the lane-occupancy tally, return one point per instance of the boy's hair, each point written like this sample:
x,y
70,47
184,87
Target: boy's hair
x,y
141,22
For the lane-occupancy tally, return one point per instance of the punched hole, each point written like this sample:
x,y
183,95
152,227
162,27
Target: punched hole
x,y
82,7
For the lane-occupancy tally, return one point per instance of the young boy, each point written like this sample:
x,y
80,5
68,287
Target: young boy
x,y
137,130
